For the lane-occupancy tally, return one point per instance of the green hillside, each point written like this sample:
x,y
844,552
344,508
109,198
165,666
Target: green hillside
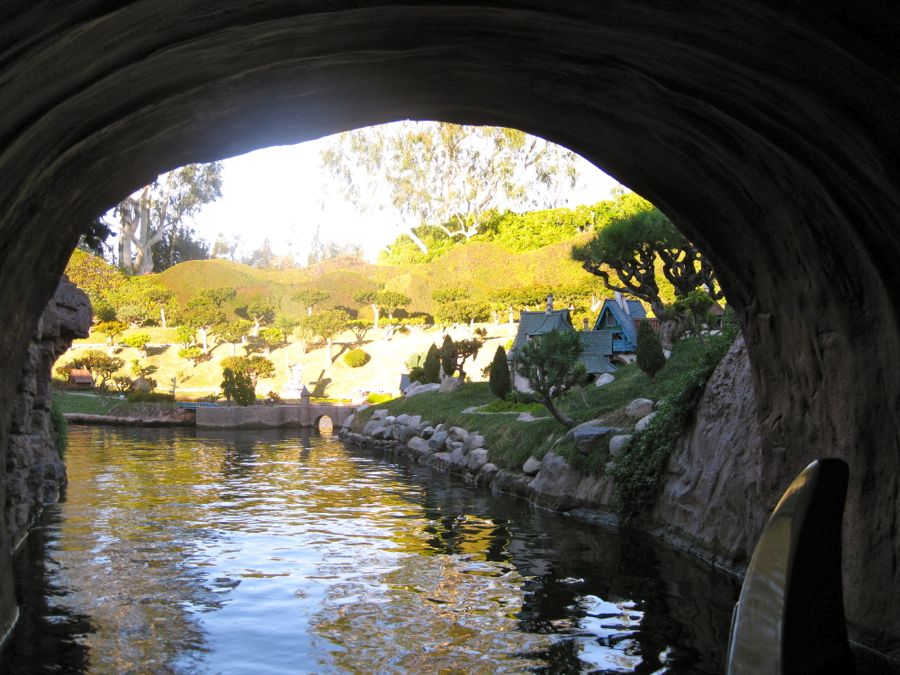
x,y
480,267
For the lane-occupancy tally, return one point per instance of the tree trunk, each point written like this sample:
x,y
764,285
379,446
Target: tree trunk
x,y
418,242
563,419
309,310
162,316
375,316
328,348
203,341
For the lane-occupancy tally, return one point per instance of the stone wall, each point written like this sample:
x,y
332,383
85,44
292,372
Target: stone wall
x,y
35,472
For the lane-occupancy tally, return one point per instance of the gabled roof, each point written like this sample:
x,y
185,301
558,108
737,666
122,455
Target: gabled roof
x,y
625,319
595,348
540,323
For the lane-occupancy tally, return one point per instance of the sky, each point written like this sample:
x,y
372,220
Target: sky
x,y
281,194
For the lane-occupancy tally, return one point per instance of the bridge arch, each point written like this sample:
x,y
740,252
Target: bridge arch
x,y
324,423
767,133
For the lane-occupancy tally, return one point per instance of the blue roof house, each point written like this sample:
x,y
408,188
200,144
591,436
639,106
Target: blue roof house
x,y
596,347
618,318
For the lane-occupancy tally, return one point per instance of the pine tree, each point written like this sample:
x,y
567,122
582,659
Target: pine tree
x,y
500,383
650,357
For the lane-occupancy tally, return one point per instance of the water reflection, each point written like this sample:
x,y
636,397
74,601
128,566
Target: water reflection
x,y
267,552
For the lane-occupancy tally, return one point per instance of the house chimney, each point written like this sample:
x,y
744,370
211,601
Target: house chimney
x,y
585,324
549,302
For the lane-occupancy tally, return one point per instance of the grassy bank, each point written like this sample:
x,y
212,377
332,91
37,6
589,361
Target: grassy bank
x,y
512,441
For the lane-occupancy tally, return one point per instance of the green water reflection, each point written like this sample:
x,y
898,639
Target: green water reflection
x,y
264,552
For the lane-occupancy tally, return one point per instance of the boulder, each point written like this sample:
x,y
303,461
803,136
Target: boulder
x,y
414,421
379,414
642,423
531,466
349,421
603,379
403,433
403,419
438,441
486,474
422,389
476,459
556,484
617,443
474,441
639,407
592,435
426,431
453,446
419,445
450,384
458,434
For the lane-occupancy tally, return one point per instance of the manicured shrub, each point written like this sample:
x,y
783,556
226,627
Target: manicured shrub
x,y
431,369
650,357
500,382
356,358
149,397
238,387
448,356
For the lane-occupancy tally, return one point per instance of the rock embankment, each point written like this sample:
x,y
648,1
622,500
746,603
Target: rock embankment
x,y
549,481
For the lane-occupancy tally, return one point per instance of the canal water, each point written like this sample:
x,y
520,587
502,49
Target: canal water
x,y
268,552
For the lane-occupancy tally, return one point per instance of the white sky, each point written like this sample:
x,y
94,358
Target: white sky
x,y
280,193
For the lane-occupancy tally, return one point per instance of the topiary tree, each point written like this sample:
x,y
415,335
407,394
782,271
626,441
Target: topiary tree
x,y
356,358
448,356
550,364
431,367
138,341
500,382
111,329
253,367
650,357
310,297
101,365
325,325
237,387
193,354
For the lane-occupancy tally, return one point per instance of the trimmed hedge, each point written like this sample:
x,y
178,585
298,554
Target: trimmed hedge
x,y
356,358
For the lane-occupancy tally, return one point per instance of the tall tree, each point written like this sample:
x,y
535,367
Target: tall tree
x,y
448,175
148,215
179,244
624,255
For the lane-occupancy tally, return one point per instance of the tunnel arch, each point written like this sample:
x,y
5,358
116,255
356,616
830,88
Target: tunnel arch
x,y
324,423
768,134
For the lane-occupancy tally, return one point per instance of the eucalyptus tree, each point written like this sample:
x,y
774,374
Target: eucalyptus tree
x,y
146,217
449,176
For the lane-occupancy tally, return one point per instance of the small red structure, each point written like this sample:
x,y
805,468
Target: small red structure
x,y
81,378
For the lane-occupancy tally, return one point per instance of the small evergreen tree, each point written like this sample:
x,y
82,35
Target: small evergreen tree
x,y
431,368
550,364
650,357
237,387
448,356
500,383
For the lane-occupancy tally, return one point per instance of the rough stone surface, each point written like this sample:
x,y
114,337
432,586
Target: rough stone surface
x,y
438,441
592,436
639,407
476,459
34,470
449,384
776,153
422,389
418,444
604,379
532,466
642,423
555,484
617,443
474,441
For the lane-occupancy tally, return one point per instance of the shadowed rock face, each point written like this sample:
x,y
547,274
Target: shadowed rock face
x,y
769,135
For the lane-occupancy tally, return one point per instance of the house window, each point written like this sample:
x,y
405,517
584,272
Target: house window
x,y
609,320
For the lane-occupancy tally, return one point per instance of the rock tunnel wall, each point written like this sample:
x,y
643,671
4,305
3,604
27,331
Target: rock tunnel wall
x,y
767,131
34,469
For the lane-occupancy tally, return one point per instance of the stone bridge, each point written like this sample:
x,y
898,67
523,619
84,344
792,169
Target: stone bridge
x,y
290,416
767,131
